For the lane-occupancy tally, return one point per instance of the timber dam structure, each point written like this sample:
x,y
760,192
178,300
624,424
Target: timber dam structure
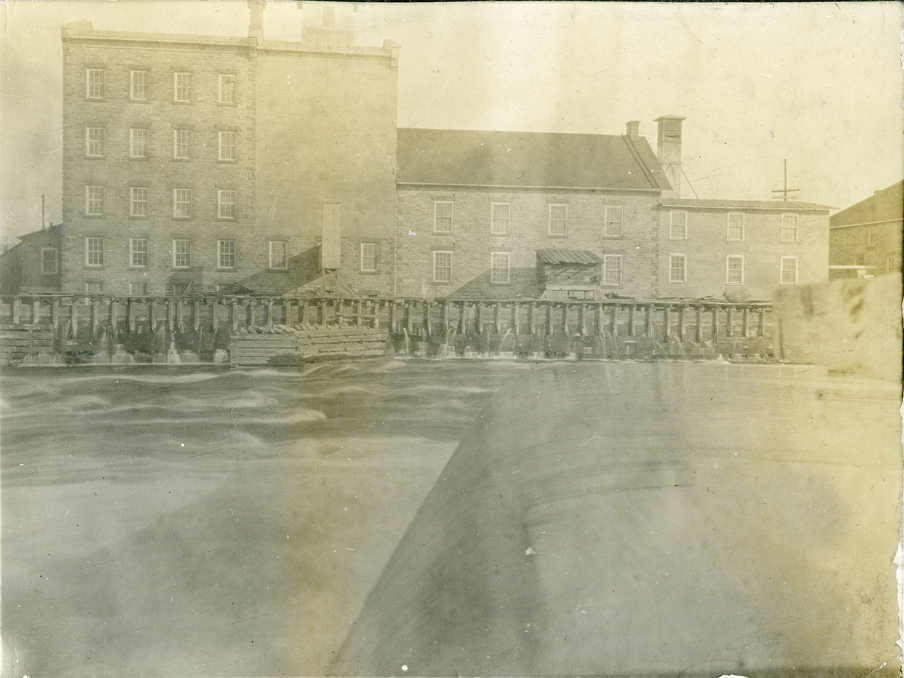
x,y
41,329
664,519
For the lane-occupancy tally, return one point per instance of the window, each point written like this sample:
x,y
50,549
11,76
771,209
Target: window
x,y
180,289
94,287
735,227
227,88
442,267
558,220
49,261
138,143
138,201
615,215
891,264
789,228
734,270
789,271
612,269
278,258
369,257
182,87
182,203
138,252
227,146
181,253
138,289
94,201
499,268
499,218
442,216
677,268
329,16
139,86
94,252
94,142
182,144
94,79
226,204
225,253
870,237
677,225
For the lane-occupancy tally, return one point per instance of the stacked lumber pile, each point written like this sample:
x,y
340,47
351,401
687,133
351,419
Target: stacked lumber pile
x,y
303,342
18,342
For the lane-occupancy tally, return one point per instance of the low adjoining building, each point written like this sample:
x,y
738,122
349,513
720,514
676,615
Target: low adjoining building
x,y
740,249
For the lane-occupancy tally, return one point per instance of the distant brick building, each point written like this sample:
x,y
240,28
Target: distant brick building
x,y
519,214
194,164
865,239
740,249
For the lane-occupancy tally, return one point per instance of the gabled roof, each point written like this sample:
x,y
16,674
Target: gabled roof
x,y
527,160
770,205
568,257
882,206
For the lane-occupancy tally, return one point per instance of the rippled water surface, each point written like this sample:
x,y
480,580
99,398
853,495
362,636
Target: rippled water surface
x,y
160,521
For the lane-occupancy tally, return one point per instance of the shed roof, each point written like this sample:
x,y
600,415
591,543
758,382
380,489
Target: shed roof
x,y
882,206
770,205
568,257
445,157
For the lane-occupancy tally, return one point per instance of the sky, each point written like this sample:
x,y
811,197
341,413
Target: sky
x,y
817,84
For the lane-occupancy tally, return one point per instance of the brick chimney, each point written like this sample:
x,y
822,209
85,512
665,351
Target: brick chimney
x,y
669,152
256,24
633,131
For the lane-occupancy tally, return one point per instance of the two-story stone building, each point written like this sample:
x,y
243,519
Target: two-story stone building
x,y
520,214
865,238
740,249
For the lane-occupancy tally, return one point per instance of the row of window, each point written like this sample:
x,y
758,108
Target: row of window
x,y
181,254
734,269
734,226
613,227
140,137
500,219
139,86
500,268
95,199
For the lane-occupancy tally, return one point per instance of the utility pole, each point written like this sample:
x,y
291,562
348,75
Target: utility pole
x,y
784,191
42,211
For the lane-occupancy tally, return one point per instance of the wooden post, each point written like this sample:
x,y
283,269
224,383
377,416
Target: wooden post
x,y
648,320
761,330
516,321
73,316
614,320
196,312
462,318
428,319
16,310
214,321
358,313
632,320
699,324
445,317
322,311
667,322
94,315
287,305
302,310
715,322
682,323
746,319
532,310
55,317
35,310
409,317
235,314
548,318
730,322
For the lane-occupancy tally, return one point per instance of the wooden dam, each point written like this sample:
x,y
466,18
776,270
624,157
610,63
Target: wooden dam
x,y
256,330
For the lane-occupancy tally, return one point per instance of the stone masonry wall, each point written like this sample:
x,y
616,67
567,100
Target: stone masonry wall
x,y
204,173
471,242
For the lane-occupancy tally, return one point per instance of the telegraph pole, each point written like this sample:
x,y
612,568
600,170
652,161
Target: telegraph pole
x,y
785,191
